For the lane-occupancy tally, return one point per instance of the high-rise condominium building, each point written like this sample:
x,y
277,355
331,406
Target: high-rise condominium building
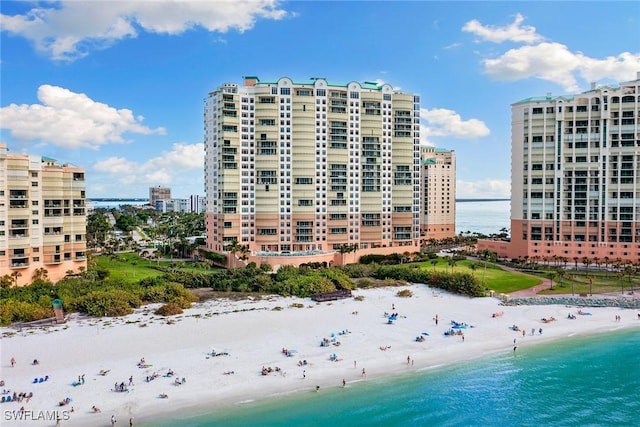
x,y
576,175
159,193
307,167
42,217
438,179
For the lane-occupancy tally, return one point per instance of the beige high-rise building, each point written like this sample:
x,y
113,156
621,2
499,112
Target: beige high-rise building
x,y
304,168
158,193
438,179
575,176
42,217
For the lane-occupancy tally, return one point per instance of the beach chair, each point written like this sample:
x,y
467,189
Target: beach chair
x,y
8,399
35,381
41,380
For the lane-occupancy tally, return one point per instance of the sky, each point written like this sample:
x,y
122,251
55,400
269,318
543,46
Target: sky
x,y
117,87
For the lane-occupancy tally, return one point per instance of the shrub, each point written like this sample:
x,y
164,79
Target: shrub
x,y
19,311
112,302
405,293
169,309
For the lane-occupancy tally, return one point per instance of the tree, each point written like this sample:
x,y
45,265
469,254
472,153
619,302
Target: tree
x,y
620,276
6,281
451,262
551,275
587,262
233,247
561,274
575,260
15,275
40,274
434,262
590,279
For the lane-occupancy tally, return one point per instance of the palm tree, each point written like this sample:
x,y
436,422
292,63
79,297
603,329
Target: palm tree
x,y
606,266
587,262
561,274
620,276
474,266
15,275
451,262
551,275
590,278
233,247
596,261
575,259
40,274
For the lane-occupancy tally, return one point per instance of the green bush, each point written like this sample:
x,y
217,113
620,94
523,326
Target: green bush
x,y
110,303
12,311
170,309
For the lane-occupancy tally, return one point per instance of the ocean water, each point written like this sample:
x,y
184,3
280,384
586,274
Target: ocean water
x,y
580,381
485,217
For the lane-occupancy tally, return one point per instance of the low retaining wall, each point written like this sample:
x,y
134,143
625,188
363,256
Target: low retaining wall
x,y
576,301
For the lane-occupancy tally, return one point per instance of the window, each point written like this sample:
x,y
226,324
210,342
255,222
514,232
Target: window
x,y
285,91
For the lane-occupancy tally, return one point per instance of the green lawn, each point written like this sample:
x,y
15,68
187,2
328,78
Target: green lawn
x,y
494,277
128,267
593,282
131,268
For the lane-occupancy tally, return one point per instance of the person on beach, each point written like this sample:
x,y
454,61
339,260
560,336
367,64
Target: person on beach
x,y
540,331
95,409
113,421
523,333
131,422
436,319
304,374
364,374
344,383
408,360
13,362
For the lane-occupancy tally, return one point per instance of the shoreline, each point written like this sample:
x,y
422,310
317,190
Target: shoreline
x,y
250,334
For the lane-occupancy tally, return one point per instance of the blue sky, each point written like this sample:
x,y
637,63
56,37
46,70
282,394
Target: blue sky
x,y
117,87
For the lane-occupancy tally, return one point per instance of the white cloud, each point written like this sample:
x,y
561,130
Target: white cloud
x,y
440,122
452,46
68,29
71,120
486,189
162,170
554,62
514,32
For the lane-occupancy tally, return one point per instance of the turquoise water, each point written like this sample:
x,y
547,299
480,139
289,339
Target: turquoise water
x,y
582,381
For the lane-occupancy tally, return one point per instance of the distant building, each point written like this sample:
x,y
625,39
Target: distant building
x,y
196,203
438,193
575,176
308,168
42,217
158,193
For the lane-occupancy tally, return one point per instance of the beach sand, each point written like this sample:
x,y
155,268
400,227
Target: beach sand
x,y
250,335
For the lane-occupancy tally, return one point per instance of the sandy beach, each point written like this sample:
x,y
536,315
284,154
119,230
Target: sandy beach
x,y
229,352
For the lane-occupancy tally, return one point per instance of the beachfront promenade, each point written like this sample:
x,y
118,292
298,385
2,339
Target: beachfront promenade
x,y
232,351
